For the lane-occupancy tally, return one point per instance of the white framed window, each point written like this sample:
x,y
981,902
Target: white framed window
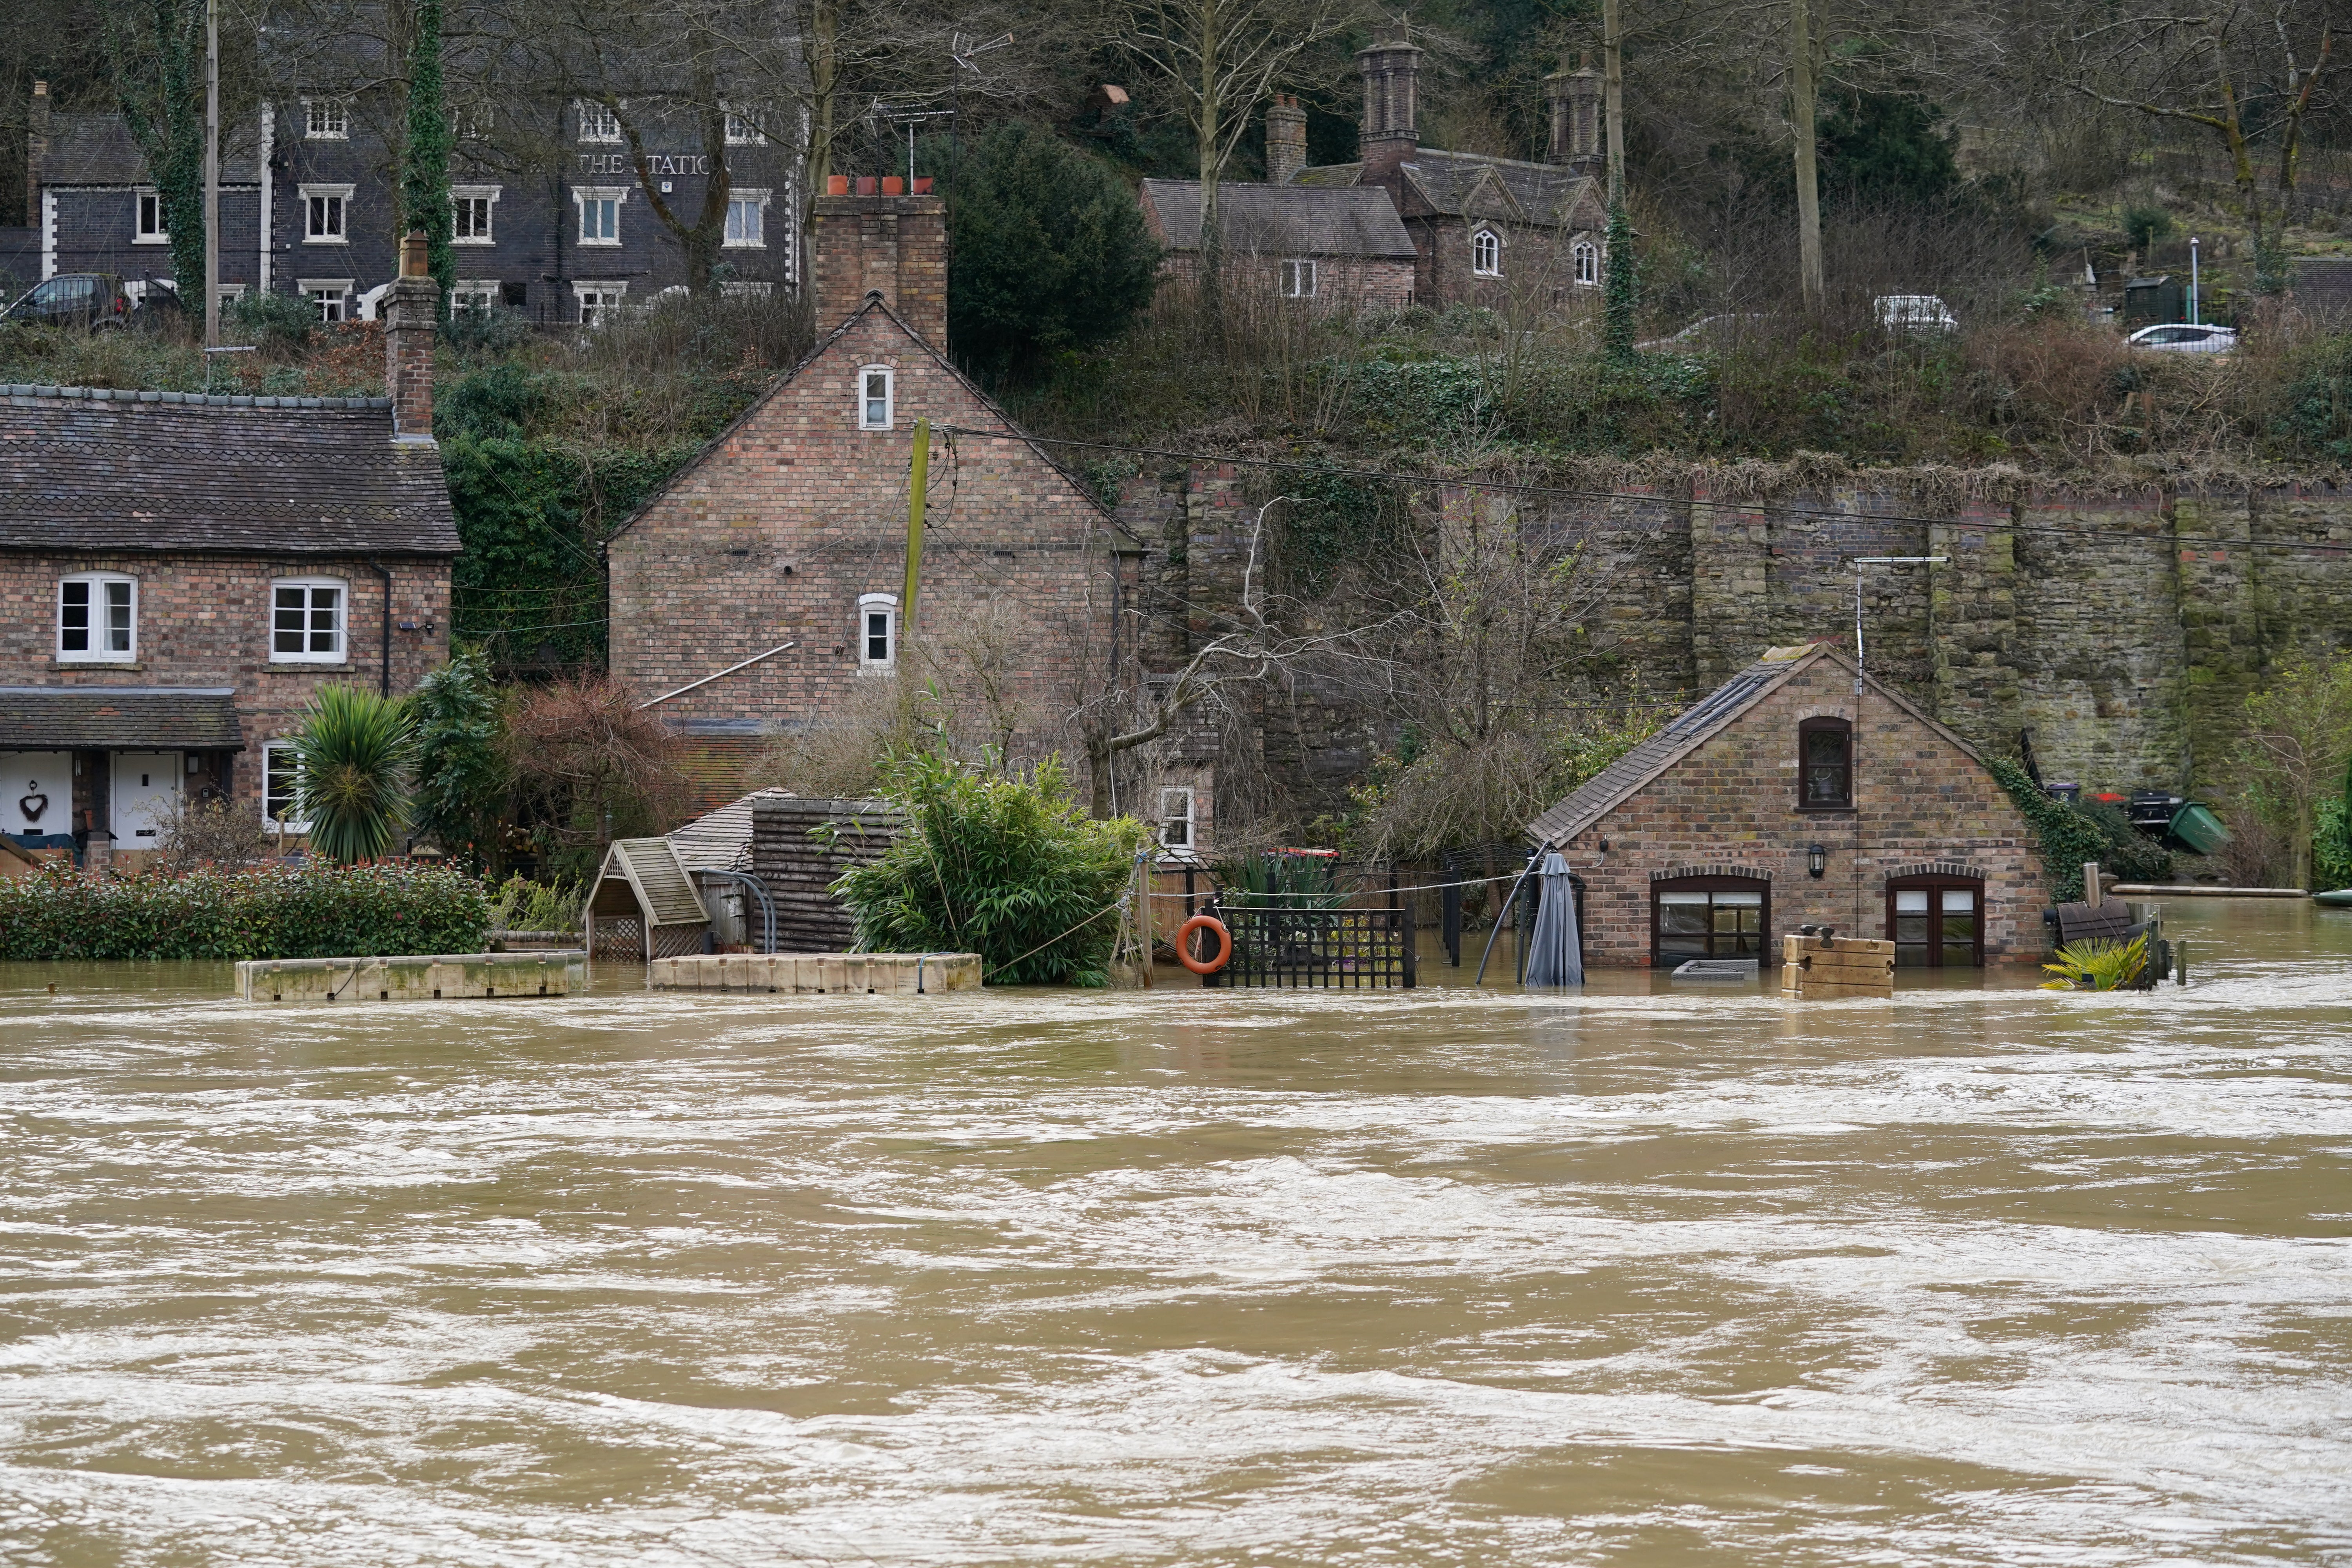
x,y
472,122
325,213
743,130
598,123
599,213
600,302
746,220
1486,253
471,210
877,633
230,293
1587,258
746,289
1298,280
877,397
306,619
326,119
98,618
474,296
281,786
331,296
149,228
1176,816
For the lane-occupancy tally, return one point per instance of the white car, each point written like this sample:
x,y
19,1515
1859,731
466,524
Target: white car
x,y
2185,338
1915,314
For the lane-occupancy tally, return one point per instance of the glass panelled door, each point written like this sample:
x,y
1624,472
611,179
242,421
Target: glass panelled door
x,y
1936,925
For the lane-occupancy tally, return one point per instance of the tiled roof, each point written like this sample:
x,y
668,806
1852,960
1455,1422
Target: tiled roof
x,y
116,718
98,150
720,840
1470,184
1285,220
87,469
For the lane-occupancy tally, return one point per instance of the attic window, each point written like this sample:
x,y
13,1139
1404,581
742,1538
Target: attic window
x,y
153,228
1824,765
1298,281
876,397
326,119
1588,262
1486,254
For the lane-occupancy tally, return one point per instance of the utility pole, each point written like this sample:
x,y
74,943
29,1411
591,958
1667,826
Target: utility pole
x,y
212,180
917,498
1809,196
1612,99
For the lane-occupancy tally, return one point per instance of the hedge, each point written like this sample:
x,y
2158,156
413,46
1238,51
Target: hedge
x,y
306,912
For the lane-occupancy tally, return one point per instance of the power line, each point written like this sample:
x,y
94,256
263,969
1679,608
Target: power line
x,y
1651,497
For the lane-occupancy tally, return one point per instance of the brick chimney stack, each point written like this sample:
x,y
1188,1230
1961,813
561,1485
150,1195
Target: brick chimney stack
x,y
37,149
1285,138
1574,98
882,242
410,311
1387,136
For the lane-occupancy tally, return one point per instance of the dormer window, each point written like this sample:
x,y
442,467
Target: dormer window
x,y
1824,765
876,397
877,634
598,123
326,119
1486,254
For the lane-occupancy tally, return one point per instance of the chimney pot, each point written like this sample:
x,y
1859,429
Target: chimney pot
x,y
40,89
836,185
1285,138
923,184
892,186
864,185
415,256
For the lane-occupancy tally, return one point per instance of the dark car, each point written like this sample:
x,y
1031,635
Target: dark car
x,y
88,301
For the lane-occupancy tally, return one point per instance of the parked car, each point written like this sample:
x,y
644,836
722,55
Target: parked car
x,y
1916,314
88,301
2185,338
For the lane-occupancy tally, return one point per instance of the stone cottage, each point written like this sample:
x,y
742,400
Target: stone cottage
x,y
1342,246
1801,792
180,571
790,526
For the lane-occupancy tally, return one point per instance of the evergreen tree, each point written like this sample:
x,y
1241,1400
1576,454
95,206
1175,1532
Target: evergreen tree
x,y
158,54
424,163
1621,293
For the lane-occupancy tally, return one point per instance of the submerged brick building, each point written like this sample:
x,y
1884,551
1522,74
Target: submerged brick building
x,y
1801,793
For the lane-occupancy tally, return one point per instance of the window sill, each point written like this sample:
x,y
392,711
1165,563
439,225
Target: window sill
x,y
1846,810
325,239
743,245
309,664
600,245
61,662
476,243
151,239
878,671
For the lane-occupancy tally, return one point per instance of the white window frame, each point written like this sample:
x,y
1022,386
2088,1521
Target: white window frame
x,y
868,606
97,580
582,196
339,198
757,200
1298,280
611,298
482,294
865,397
1175,796
144,200
596,122
742,131
310,586
1486,253
463,197
278,757
1585,257
318,291
326,119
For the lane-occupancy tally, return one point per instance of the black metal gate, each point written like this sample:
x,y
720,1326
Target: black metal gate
x,y
1338,949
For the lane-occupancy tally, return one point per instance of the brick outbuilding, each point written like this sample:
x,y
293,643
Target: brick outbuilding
x,y
790,526
1801,793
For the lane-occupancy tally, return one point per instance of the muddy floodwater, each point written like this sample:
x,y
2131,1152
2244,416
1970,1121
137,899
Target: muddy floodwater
x,y
1649,1275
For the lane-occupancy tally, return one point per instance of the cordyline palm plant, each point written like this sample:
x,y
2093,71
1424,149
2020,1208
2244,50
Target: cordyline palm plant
x,y
354,751
2097,964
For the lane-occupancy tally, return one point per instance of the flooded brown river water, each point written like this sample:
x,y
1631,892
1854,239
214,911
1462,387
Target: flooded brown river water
x,y
1644,1276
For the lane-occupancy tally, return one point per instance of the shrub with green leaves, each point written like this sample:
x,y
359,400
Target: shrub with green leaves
x,y
1008,868
311,910
354,753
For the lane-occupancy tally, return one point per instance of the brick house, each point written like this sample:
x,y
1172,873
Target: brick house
x,y
1342,246
564,232
790,526
179,572
1798,794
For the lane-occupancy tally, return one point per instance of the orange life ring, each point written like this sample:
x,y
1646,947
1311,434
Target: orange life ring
x,y
1184,944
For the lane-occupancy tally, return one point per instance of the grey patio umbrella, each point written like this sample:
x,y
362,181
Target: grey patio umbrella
x,y
1555,955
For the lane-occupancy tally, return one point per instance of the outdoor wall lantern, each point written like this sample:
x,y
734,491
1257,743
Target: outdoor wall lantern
x,y
1817,860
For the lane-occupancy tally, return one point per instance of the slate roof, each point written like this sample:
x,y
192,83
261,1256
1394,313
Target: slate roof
x,y
114,717
1693,728
85,470
98,150
1290,220
1470,184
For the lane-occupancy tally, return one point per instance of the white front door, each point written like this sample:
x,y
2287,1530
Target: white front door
x,y
145,785
35,792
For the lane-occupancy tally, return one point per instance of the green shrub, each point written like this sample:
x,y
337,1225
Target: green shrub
x,y
2098,965
1010,869
311,910
2143,225
524,905
277,323
2331,848
1278,882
